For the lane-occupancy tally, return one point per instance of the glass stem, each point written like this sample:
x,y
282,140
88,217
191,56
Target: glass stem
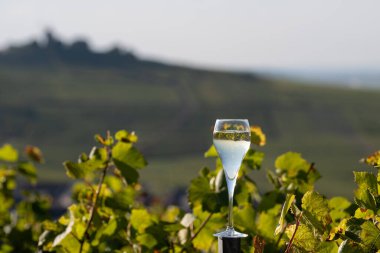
x,y
230,208
231,188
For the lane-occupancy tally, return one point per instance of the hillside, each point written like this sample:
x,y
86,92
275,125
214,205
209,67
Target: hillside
x,y
57,96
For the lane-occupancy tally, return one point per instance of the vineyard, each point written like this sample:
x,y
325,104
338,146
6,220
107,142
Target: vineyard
x,y
110,213
53,95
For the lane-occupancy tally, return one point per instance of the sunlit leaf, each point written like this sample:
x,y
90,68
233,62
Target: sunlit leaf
x,y
73,170
81,170
365,199
373,159
291,163
304,237
317,206
125,136
114,183
267,222
211,152
127,159
338,206
205,239
135,159
257,136
327,247
106,230
171,214
50,225
370,235
362,213
245,218
120,151
285,208
366,180
244,191
8,153
140,219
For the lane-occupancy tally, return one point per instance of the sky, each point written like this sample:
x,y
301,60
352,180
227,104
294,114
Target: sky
x,y
242,34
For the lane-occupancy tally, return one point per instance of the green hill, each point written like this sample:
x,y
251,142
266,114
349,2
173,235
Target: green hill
x,y
57,96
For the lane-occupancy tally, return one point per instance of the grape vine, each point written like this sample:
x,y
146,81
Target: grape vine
x,y
108,212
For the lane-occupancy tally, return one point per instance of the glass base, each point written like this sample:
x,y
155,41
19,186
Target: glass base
x,y
230,233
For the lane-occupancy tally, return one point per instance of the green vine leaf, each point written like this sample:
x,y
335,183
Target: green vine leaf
x,y
315,206
110,214
122,200
8,153
338,207
199,187
211,152
105,231
130,174
327,247
245,218
253,159
304,239
201,193
128,160
366,180
140,220
285,208
267,222
365,199
370,235
291,163
257,136
205,239
125,136
147,240
132,158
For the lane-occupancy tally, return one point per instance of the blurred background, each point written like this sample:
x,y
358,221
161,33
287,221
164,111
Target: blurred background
x,y
307,72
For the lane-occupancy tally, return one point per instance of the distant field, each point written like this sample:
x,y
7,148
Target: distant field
x,y
173,110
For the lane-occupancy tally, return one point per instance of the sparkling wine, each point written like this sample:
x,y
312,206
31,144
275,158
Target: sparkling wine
x,y
232,147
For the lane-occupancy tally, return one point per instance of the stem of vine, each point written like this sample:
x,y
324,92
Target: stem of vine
x,y
97,193
294,234
196,233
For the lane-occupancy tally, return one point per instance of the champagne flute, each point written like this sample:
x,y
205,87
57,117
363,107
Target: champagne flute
x,y
232,138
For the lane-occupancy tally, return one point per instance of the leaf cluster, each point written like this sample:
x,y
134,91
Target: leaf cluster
x,y
20,221
110,212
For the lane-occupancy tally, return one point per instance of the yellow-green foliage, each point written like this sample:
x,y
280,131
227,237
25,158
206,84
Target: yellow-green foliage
x,y
108,214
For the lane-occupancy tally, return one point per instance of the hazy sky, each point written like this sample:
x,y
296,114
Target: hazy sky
x,y
243,33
